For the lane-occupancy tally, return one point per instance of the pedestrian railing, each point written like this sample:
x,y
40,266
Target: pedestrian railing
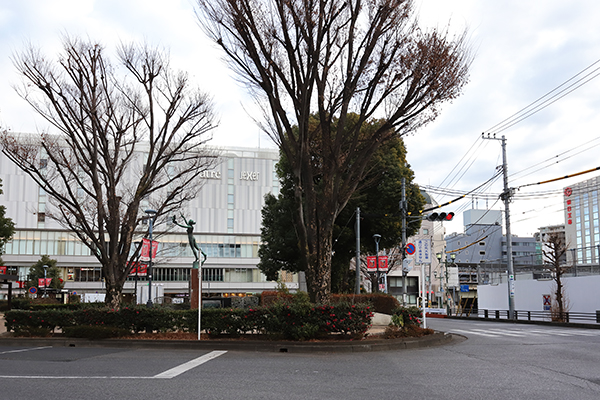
x,y
553,316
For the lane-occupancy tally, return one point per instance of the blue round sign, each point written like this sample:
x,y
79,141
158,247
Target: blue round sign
x,y
410,249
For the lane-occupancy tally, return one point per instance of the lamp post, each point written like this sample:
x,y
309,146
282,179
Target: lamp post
x,y
441,298
452,257
45,281
377,238
151,213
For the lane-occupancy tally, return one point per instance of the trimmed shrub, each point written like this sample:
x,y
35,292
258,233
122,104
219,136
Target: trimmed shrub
x,y
292,320
405,316
381,302
95,332
269,297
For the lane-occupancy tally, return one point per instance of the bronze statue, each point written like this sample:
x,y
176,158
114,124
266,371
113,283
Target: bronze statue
x,y
193,244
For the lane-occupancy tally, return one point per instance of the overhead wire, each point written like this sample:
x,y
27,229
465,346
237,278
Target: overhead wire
x,y
525,112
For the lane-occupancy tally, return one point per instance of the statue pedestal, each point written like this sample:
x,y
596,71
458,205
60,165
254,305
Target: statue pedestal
x,y
194,291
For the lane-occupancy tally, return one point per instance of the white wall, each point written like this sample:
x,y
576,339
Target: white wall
x,y
582,294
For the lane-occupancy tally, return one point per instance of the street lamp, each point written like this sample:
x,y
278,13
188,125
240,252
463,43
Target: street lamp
x,y
45,281
439,257
440,303
151,213
377,238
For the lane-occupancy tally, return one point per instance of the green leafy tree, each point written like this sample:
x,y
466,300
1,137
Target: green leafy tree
x,y
7,227
378,200
36,272
332,59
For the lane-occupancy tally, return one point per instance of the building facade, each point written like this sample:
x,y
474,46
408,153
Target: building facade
x,y
582,223
228,219
481,254
431,232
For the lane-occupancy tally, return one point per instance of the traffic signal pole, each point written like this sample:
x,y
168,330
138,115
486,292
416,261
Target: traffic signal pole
x,y
357,265
404,209
505,196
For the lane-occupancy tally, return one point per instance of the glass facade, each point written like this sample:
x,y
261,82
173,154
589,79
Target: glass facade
x,y
169,245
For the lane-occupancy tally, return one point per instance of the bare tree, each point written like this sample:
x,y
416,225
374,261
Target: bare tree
x,y
331,58
118,143
554,250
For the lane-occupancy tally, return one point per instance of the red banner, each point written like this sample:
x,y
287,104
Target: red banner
x,y
138,269
383,263
145,254
44,282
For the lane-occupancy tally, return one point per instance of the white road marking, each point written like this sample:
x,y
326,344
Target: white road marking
x,y
23,350
473,333
173,372
168,374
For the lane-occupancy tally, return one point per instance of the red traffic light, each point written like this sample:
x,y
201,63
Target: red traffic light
x,y
440,216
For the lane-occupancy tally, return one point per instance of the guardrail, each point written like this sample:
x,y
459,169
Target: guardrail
x,y
568,316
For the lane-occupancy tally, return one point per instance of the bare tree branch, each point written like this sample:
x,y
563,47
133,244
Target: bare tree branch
x,y
115,142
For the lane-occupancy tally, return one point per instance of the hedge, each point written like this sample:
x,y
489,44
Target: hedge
x,y
381,302
296,321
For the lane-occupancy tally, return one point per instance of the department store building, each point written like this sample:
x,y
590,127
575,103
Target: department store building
x,y
227,213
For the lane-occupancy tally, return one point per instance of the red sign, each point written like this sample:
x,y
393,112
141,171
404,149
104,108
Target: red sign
x,y
383,263
145,255
138,269
44,282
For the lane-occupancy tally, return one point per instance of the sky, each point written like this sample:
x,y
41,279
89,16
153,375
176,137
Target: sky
x,y
522,50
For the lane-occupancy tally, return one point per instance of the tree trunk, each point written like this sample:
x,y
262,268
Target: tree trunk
x,y
559,298
114,294
318,272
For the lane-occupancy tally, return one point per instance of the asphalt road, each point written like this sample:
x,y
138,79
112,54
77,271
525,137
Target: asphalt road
x,y
496,361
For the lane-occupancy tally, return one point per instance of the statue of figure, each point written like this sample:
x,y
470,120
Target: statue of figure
x,y
193,244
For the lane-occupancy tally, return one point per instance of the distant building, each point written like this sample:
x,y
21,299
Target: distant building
x,y
228,219
582,222
481,253
434,232
541,238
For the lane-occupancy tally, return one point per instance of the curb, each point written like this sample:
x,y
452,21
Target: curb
x,y
437,339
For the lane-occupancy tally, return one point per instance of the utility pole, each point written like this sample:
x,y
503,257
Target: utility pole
x,y
505,196
357,265
403,209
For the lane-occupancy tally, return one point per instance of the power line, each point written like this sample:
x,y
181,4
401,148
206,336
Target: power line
x,y
532,108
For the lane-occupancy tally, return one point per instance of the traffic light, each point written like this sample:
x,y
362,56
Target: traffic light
x,y
440,216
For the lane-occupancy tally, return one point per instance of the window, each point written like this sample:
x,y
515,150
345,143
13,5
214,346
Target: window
x,y
212,274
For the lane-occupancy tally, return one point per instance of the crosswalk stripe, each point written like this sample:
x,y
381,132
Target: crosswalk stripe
x,y
496,332
475,333
503,332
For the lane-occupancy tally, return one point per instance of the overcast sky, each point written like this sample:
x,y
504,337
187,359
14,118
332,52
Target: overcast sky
x,y
522,50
